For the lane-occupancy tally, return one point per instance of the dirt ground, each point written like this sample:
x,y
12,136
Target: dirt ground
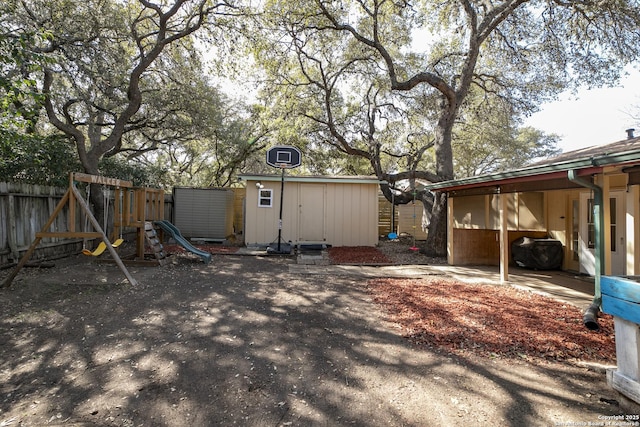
x,y
242,341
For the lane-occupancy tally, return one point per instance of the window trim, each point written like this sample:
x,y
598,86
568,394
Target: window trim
x,y
265,195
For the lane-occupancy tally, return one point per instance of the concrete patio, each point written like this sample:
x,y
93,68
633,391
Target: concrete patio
x,y
563,286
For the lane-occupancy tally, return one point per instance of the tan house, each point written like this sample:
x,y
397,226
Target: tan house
x,y
337,211
587,200
551,199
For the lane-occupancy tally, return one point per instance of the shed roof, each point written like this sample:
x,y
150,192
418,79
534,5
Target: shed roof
x,y
553,171
312,179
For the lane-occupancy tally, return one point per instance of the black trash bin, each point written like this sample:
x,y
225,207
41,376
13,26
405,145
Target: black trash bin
x,y
538,254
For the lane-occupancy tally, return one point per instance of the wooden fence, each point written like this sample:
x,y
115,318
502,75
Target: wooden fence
x,y
384,216
408,219
24,209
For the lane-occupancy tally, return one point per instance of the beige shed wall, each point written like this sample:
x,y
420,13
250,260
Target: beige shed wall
x,y
261,223
350,213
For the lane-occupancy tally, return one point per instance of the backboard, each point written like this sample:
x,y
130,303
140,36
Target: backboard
x,y
284,156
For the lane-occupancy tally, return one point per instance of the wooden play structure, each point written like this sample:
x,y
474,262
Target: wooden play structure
x,y
134,208
139,208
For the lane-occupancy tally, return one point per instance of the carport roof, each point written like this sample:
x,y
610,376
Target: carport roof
x,y
548,174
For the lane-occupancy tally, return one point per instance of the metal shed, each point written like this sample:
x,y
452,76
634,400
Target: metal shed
x,y
204,213
337,211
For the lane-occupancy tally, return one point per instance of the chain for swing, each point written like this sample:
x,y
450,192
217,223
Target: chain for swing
x,y
102,246
105,223
85,228
120,213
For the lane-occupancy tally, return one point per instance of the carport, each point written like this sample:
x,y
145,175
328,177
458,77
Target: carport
x,y
590,201
562,198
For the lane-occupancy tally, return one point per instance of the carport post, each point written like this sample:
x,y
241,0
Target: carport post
x,y
632,230
450,230
590,317
504,237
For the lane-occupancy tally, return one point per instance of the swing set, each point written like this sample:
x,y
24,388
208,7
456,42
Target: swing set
x,y
133,207
102,246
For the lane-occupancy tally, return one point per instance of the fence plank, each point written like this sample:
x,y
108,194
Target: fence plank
x,y
24,209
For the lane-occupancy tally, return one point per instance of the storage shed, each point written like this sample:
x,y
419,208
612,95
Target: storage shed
x,y
203,213
337,211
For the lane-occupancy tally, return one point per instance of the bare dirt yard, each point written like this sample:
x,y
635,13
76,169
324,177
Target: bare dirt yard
x,y
245,341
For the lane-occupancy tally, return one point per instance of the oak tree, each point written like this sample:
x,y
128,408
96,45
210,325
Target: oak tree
x,y
104,60
432,54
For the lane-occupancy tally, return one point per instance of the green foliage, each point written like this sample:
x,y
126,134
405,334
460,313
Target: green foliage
x,y
141,175
121,75
20,100
48,160
33,159
487,138
125,81
204,140
495,149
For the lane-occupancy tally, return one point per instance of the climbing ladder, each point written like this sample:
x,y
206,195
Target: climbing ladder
x,y
154,242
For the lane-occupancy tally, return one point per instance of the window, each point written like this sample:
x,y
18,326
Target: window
x,y
612,220
575,230
614,223
591,226
265,198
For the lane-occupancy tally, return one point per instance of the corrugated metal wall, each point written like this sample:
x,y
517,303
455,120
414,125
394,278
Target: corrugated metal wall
x,y
204,213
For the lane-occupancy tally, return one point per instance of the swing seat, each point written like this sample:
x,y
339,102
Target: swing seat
x,y
101,248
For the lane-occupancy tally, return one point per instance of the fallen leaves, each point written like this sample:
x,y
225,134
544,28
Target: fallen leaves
x,y
491,320
357,255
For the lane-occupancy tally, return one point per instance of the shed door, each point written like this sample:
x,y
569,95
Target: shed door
x,y
312,213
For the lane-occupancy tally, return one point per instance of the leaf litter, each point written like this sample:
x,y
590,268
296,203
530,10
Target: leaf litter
x,y
491,321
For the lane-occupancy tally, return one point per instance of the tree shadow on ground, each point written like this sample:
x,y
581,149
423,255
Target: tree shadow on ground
x,y
241,341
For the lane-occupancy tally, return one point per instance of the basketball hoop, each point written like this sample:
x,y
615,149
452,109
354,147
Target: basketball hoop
x,y
283,157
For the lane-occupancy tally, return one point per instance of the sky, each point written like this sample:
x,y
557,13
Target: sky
x,y
592,117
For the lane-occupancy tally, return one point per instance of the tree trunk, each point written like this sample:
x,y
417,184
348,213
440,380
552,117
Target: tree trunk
x,y
100,207
436,244
97,193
